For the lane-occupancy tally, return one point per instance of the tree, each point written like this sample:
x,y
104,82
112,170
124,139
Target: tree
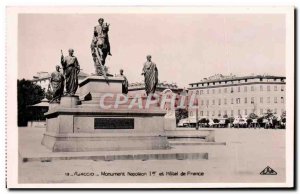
x,y
283,120
28,94
260,121
227,121
207,121
181,113
275,122
252,116
203,120
49,94
231,119
269,116
283,117
225,116
249,121
216,120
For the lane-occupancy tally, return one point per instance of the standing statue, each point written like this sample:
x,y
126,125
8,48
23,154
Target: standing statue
x,y
71,70
150,73
124,83
57,84
100,47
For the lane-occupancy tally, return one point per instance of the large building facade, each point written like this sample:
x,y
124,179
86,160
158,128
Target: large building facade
x,y
234,96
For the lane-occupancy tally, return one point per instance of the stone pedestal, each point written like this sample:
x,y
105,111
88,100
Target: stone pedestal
x,y
170,123
84,126
53,105
69,101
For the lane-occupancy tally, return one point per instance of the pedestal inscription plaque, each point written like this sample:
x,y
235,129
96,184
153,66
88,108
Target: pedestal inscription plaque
x,y
114,123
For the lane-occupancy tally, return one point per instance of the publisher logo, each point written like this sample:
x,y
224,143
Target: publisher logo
x,y
268,171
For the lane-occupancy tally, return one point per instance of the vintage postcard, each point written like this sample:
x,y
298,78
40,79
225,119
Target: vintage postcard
x,y
150,97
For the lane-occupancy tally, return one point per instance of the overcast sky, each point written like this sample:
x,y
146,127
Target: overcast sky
x,y
186,48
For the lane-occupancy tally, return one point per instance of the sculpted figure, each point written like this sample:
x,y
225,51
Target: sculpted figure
x,y
100,46
71,70
57,84
150,73
124,83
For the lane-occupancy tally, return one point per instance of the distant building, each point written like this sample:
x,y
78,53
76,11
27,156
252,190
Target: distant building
x,y
139,87
162,87
43,79
234,96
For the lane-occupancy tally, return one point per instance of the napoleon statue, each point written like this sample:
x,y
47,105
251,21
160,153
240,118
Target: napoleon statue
x,y
150,73
71,70
100,47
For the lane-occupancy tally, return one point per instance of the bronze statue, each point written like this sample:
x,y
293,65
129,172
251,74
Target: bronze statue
x,y
57,84
100,47
71,70
124,83
150,73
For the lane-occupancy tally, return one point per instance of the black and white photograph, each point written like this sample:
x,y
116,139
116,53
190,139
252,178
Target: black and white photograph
x,y
150,97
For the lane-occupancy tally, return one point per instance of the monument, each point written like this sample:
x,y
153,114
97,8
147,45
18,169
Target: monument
x,y
100,47
79,123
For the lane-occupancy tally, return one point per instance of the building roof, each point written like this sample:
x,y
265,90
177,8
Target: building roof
x,y
163,85
220,77
46,75
41,75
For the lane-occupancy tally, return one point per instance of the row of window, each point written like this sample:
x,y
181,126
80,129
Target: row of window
x,y
233,113
231,82
238,101
239,89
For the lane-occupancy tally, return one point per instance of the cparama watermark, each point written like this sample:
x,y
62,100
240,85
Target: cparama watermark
x,y
163,101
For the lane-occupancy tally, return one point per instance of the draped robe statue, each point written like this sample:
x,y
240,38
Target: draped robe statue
x,y
57,84
150,73
124,83
71,70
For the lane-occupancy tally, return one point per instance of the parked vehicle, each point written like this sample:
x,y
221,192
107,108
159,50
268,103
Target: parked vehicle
x,y
240,123
183,123
186,123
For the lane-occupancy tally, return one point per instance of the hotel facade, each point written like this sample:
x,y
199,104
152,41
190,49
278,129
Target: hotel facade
x,y
234,96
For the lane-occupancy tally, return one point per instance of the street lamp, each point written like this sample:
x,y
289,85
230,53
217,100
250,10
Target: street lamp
x,y
197,109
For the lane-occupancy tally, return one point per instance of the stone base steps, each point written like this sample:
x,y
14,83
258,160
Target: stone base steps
x,y
180,142
116,156
187,135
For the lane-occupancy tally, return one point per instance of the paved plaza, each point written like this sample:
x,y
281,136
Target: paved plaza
x,y
246,153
